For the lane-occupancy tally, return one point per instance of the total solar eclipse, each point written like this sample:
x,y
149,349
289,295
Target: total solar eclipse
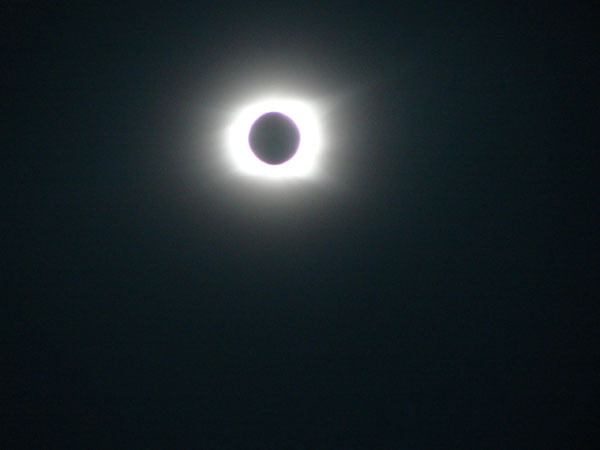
x,y
274,138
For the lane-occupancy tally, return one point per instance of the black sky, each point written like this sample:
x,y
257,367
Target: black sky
x,y
441,296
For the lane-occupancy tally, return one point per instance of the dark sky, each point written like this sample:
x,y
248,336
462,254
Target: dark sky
x,y
436,293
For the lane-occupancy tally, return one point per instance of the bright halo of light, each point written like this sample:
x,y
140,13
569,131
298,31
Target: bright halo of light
x,y
303,164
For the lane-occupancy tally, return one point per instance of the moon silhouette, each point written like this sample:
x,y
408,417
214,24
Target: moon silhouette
x,y
274,138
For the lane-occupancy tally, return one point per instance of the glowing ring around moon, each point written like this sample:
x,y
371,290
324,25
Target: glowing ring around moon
x,y
301,165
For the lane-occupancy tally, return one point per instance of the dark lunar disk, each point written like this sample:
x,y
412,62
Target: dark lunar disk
x,y
274,138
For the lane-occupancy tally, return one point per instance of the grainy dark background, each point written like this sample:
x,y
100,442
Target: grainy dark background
x,y
446,302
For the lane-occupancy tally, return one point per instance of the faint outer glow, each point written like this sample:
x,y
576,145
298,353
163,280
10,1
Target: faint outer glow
x,y
304,162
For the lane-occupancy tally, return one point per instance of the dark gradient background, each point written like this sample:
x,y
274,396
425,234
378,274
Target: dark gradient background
x,y
440,297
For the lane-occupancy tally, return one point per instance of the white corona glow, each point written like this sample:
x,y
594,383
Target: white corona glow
x,y
303,164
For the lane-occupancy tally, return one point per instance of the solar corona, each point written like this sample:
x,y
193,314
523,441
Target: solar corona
x,y
275,139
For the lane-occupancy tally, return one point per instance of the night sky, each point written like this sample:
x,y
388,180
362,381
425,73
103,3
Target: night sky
x,y
434,290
